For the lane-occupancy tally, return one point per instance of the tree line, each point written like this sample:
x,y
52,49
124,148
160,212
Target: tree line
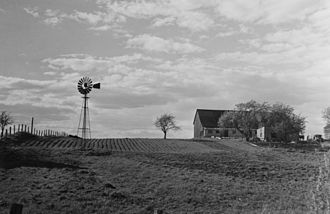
x,y
283,123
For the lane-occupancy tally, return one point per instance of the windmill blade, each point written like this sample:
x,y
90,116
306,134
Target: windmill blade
x,y
97,85
85,85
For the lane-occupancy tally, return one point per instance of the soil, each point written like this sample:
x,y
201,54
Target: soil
x,y
65,175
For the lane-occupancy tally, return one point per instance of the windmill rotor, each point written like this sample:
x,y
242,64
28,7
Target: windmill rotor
x,y
85,85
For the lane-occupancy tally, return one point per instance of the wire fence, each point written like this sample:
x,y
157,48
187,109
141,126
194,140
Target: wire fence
x,y
15,128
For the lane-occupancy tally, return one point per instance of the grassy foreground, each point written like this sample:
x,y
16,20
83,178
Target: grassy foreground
x,y
228,177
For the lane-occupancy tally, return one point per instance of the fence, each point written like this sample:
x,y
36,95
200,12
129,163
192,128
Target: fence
x,y
13,129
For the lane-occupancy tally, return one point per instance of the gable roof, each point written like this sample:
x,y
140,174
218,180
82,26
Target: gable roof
x,y
209,118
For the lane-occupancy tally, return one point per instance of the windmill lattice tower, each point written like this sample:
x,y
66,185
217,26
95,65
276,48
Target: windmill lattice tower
x,y
85,85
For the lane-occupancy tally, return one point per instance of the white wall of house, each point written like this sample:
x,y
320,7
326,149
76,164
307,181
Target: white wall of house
x,y
261,133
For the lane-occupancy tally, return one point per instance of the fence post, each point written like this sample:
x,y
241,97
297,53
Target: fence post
x,y
10,130
14,129
32,126
6,133
24,128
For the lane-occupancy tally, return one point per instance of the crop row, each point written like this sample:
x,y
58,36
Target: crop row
x,y
120,144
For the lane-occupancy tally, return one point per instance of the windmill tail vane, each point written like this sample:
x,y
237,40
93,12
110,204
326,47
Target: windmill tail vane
x,y
85,86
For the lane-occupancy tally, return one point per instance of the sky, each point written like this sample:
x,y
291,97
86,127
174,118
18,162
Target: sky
x,y
155,57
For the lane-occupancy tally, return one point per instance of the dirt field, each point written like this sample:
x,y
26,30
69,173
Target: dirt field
x,y
64,175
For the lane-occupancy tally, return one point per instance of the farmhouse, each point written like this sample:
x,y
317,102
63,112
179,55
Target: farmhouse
x,y
206,125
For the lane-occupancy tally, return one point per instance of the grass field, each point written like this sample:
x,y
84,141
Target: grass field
x,y
65,175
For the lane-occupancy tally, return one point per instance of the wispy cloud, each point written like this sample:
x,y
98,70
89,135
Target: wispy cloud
x,y
85,62
53,21
182,14
154,43
32,11
268,12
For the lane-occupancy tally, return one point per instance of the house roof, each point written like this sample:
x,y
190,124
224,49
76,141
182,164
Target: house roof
x,y
209,118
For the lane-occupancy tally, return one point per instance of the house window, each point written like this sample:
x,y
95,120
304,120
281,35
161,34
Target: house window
x,y
209,131
217,131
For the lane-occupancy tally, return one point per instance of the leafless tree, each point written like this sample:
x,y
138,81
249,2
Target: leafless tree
x,y
165,123
5,120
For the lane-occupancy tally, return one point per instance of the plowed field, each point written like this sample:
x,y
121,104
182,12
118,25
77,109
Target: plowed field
x,y
68,175
122,145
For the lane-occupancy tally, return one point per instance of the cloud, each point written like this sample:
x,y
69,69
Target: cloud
x,y
53,21
124,99
42,93
188,15
85,62
91,18
158,22
40,113
182,13
267,11
195,21
154,43
32,11
101,28
197,16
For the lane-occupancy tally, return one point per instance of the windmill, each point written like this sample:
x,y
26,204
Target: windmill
x,y
85,85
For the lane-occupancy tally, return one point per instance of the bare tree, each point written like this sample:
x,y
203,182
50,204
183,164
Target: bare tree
x,y
165,123
5,120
